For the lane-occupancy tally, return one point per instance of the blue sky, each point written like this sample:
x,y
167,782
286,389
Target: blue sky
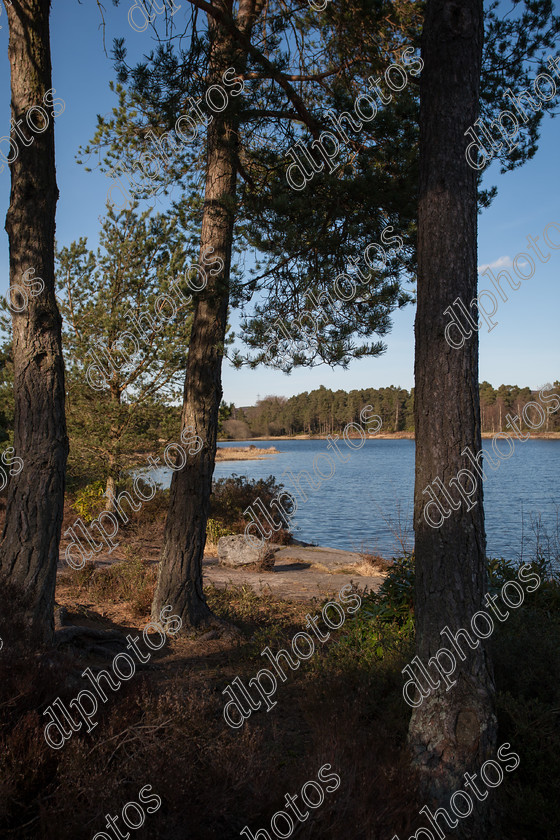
x,y
522,349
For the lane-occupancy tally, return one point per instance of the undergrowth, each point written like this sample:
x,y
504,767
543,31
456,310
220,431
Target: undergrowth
x,y
343,707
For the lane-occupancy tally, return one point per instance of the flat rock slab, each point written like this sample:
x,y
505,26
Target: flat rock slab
x,y
300,574
235,551
322,559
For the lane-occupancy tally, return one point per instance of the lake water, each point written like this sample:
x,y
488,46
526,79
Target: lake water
x,y
368,501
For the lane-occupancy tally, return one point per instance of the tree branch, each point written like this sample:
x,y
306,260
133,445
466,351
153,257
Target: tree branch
x,y
273,73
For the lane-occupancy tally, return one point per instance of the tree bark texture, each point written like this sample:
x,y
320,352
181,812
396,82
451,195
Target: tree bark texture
x,y
113,455
180,572
30,539
452,731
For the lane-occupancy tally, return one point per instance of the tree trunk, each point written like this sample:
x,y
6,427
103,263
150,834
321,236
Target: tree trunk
x,y
113,460
180,572
30,539
110,490
453,731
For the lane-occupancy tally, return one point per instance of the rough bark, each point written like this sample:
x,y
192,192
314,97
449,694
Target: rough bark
x,y
111,487
30,539
452,731
180,572
113,454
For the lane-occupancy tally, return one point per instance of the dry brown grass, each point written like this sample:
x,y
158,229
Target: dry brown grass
x,y
132,581
165,728
372,562
244,453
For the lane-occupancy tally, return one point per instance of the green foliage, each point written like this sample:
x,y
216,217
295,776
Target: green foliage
x,y
385,622
394,601
526,657
322,411
500,570
370,636
89,501
353,204
214,530
516,43
119,389
383,627
224,413
351,207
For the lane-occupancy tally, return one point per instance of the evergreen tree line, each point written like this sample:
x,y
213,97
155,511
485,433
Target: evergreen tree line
x,y
323,411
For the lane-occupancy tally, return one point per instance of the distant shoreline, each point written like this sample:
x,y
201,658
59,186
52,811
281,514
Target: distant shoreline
x,y
244,453
387,436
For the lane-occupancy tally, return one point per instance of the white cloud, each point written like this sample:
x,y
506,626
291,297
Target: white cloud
x,y
501,262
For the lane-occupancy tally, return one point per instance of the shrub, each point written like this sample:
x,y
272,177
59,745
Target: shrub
x,y
526,656
214,530
267,558
394,601
89,501
499,570
231,496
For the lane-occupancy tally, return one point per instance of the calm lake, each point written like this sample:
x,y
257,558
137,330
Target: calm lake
x,y
368,500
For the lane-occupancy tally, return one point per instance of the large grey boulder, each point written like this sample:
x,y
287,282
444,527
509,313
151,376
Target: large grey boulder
x,y
237,551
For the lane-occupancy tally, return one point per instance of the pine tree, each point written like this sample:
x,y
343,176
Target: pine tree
x,y
127,320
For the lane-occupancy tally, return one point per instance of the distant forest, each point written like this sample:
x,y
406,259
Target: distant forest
x,y
323,412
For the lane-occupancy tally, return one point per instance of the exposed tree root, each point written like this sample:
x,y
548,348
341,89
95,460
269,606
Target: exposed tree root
x,y
212,627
